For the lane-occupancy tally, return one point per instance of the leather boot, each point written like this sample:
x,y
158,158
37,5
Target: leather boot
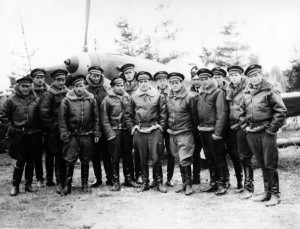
x,y
170,170
196,169
267,194
85,177
274,185
97,171
222,181
116,178
187,170
28,177
213,184
138,169
238,169
17,176
158,178
153,184
227,182
248,187
49,169
68,184
145,177
58,174
183,186
128,176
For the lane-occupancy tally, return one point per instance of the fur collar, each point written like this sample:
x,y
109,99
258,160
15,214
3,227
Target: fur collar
x,y
55,90
264,86
182,93
31,95
213,86
166,90
91,84
111,93
231,91
86,95
151,92
45,87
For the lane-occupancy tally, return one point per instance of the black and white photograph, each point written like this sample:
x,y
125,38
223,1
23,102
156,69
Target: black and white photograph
x,y
150,114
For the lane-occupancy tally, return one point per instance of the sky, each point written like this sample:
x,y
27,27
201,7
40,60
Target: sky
x,y
55,28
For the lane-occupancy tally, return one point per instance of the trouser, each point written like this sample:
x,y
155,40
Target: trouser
x,y
101,150
28,147
55,147
150,145
182,147
49,161
121,146
265,150
232,138
170,157
214,151
79,146
196,156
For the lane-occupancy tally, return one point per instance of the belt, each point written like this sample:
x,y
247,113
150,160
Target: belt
x,y
261,123
146,125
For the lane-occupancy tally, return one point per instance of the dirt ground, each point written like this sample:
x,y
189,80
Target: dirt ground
x,y
128,209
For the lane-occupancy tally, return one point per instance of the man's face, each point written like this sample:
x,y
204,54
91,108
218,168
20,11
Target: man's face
x,y
25,88
39,80
144,85
235,77
129,74
196,81
219,79
176,85
119,88
95,78
79,88
255,78
162,83
60,81
205,81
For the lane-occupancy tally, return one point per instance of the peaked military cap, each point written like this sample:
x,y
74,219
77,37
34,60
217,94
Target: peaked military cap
x,y
126,66
204,72
77,79
37,72
116,80
59,72
176,75
25,79
142,75
253,69
219,71
95,70
160,74
194,68
235,68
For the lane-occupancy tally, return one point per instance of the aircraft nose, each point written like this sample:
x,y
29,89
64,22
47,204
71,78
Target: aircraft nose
x,y
72,64
67,62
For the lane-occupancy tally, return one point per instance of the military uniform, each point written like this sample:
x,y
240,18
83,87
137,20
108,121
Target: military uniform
x,y
49,107
229,144
130,89
118,136
170,158
181,109
263,113
21,113
237,141
146,117
99,91
212,114
78,124
49,160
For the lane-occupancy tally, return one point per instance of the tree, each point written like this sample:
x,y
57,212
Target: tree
x,y
133,42
21,65
230,52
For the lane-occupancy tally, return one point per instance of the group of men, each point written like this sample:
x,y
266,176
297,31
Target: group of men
x,y
136,121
